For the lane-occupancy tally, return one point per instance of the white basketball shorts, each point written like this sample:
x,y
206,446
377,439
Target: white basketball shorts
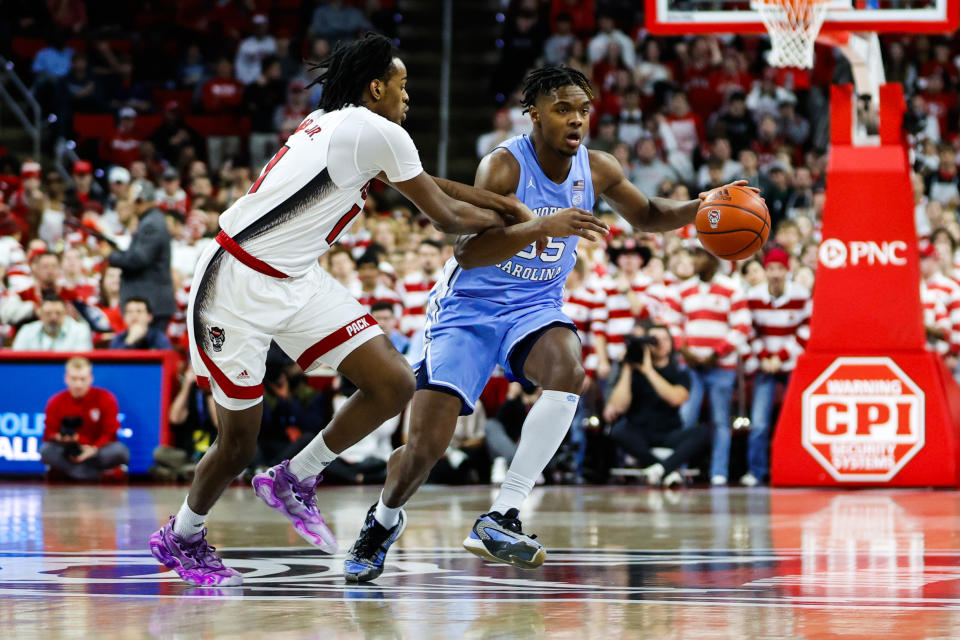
x,y
238,304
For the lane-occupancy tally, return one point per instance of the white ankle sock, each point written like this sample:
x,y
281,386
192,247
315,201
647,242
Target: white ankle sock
x,y
543,432
187,522
313,459
386,516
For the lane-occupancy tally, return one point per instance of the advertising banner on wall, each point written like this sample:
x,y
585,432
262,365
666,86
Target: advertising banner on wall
x,y
139,380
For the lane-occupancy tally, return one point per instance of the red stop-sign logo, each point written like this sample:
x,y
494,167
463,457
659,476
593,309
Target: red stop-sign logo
x,y
863,419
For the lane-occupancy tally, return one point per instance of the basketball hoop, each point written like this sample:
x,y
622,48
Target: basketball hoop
x,y
793,26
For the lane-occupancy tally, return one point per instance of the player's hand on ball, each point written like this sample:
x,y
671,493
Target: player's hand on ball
x,y
736,183
573,222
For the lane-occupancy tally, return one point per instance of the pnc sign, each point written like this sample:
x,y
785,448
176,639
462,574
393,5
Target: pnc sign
x,y
863,419
835,253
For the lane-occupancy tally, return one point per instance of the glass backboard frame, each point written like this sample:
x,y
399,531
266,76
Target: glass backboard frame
x,y
943,17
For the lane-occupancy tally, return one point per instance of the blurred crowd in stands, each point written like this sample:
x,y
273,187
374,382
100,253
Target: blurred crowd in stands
x,y
176,124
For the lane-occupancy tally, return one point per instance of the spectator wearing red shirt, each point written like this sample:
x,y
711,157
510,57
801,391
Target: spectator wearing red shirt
x,y
580,11
222,94
698,70
45,268
730,77
687,127
123,146
80,439
940,101
940,64
27,202
88,192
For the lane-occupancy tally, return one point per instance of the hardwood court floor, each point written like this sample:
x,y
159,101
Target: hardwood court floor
x,y
623,562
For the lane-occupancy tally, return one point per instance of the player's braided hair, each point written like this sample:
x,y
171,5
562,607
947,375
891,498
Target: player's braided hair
x,y
349,69
546,79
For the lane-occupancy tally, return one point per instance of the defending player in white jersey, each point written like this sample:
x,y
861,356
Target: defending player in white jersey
x,y
261,281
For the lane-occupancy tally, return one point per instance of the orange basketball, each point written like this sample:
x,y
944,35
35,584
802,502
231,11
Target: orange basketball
x,y
733,223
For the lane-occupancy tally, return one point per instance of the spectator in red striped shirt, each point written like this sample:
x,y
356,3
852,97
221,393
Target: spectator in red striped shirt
x,y
76,285
45,268
369,289
716,324
415,287
625,302
780,310
939,301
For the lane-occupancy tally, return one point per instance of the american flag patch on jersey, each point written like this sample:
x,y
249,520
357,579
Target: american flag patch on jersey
x,y
578,185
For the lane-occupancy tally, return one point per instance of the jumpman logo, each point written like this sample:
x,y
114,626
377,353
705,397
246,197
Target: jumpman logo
x,y
530,185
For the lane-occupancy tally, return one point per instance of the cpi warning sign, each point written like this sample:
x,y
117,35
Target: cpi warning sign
x,y
863,419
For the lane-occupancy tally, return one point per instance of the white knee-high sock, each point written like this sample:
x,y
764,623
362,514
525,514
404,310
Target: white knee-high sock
x,y
312,459
543,432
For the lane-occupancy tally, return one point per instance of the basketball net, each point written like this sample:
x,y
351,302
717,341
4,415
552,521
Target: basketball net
x,y
793,26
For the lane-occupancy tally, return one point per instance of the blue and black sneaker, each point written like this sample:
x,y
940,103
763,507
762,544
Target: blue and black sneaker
x,y
500,538
364,561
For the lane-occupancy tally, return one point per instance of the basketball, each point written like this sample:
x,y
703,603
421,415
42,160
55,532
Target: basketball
x,y
733,223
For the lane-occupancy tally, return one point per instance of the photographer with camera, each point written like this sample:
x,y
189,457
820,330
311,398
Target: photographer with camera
x,y
80,439
644,406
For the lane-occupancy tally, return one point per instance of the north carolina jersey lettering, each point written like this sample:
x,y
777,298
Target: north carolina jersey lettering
x,y
310,192
527,277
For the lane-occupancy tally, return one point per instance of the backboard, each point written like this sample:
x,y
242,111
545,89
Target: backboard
x,y
686,17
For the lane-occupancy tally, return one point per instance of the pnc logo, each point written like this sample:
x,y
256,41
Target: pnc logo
x,y
834,253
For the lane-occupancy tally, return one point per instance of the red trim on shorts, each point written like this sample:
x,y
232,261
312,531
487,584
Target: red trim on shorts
x,y
240,254
226,385
334,340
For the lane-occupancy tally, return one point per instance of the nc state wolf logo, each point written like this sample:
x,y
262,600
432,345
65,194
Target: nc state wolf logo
x,y
713,217
216,337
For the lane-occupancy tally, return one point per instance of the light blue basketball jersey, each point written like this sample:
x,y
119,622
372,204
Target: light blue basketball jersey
x,y
527,278
476,318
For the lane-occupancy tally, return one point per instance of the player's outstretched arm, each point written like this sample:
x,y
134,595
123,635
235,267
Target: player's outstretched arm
x,y
498,174
448,215
510,209
645,214
496,245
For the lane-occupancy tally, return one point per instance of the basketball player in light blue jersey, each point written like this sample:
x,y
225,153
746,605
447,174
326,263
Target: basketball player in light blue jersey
x,y
508,314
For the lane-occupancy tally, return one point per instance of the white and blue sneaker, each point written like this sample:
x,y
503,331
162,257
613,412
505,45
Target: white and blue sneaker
x,y
364,561
499,538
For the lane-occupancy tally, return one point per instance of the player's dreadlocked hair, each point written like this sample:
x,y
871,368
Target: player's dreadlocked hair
x,y
546,79
347,71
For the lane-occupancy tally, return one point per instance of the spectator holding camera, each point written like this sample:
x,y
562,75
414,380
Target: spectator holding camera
x,y
80,439
139,334
644,406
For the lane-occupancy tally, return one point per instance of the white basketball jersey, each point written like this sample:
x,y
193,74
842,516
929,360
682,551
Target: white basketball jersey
x,y
309,193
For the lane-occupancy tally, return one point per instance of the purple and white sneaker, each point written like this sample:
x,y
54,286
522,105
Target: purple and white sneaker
x,y
192,558
297,500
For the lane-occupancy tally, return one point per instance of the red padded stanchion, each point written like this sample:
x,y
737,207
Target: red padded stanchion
x,y
867,405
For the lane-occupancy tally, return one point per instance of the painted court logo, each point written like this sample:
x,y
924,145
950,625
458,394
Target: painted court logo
x,y
758,577
217,336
